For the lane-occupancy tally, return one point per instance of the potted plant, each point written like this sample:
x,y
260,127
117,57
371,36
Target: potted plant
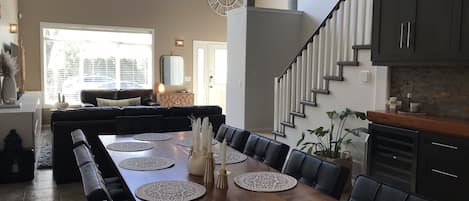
x,y
330,141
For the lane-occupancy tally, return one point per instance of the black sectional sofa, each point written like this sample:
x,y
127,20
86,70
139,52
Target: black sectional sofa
x,y
116,120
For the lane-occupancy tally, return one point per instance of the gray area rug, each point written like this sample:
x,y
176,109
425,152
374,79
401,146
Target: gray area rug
x,y
44,156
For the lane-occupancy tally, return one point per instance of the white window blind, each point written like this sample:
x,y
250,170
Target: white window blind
x,y
76,59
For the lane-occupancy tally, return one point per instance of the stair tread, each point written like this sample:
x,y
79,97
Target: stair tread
x,y
321,91
310,103
333,77
298,114
348,63
279,133
361,47
288,124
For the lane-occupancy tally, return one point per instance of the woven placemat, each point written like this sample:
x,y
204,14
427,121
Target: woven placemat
x,y
146,163
232,157
170,191
265,181
152,137
129,146
187,142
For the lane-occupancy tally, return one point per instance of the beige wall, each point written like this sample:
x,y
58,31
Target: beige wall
x,y
9,15
277,4
170,19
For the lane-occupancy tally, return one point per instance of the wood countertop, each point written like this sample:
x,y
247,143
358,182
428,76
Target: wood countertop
x,y
441,125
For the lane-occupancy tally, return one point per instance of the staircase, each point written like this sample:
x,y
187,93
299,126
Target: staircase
x,y
333,46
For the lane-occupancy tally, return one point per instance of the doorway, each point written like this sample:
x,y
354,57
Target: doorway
x,y
210,73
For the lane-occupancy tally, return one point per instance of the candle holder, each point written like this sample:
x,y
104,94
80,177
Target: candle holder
x,y
209,169
222,179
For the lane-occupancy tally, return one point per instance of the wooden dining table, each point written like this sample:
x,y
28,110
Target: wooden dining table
x,y
169,149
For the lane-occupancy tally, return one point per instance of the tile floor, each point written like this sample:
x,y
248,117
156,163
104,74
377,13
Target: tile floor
x,y
41,188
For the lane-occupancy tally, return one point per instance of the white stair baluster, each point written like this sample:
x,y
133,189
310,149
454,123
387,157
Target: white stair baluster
x,y
327,50
315,63
353,25
276,103
346,47
284,96
369,17
288,99
309,52
304,58
340,31
321,57
298,83
293,86
333,34
361,14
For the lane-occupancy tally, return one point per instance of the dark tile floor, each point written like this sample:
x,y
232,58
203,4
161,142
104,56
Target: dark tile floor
x,y
41,188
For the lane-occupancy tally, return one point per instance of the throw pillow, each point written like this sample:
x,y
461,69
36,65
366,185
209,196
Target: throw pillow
x,y
120,103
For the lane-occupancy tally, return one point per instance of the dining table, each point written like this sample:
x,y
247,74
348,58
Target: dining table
x,y
179,171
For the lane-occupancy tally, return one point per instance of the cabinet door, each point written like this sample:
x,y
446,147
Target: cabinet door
x,y
443,168
434,30
463,45
390,19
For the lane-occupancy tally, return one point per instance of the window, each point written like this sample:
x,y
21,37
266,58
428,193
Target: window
x,y
83,57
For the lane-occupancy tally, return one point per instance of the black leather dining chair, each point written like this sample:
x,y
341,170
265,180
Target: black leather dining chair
x,y
93,185
82,155
324,176
368,189
79,138
266,150
235,137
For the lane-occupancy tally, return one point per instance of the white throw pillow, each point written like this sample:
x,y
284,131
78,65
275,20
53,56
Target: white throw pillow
x,y
120,103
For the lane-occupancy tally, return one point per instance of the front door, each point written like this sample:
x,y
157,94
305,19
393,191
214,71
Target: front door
x,y
210,73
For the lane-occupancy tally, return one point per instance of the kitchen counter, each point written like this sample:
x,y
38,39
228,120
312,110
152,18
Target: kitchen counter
x,y
441,125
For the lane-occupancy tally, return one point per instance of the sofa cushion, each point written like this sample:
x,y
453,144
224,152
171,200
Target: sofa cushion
x,y
144,110
196,111
82,114
146,95
89,96
121,102
139,124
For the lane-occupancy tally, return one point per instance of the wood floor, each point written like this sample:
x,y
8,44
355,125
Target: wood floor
x,y
42,188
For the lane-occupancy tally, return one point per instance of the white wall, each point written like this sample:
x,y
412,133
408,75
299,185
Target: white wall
x,y
314,13
351,93
235,86
271,41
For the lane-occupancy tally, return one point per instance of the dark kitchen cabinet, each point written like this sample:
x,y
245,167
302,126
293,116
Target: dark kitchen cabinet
x,y
417,32
443,168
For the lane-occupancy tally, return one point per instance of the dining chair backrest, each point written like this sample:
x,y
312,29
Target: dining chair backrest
x,y
322,175
235,137
266,150
93,184
368,189
79,138
83,155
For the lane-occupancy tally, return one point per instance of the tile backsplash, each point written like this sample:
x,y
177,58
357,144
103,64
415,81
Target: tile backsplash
x,y
443,91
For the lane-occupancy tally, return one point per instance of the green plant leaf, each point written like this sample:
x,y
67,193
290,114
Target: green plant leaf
x,y
331,114
348,141
360,115
301,139
310,150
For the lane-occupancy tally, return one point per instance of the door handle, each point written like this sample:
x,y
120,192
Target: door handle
x,y
402,34
444,173
409,31
445,145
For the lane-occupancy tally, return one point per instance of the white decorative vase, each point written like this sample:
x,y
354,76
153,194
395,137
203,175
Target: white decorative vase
x,y
9,90
196,164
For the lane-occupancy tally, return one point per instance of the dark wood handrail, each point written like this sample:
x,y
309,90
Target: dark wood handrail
x,y
323,23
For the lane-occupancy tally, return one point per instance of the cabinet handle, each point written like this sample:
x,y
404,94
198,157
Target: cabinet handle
x,y
402,34
409,26
445,145
445,173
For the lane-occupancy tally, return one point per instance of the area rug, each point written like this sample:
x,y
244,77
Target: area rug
x,y
44,157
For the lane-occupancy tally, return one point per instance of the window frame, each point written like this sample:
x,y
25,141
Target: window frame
x,y
83,27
